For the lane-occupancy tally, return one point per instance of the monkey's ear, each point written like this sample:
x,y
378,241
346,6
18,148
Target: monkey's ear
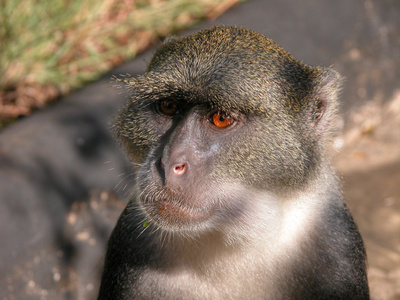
x,y
325,104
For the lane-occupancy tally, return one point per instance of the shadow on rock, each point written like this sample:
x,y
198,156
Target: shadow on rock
x,y
53,226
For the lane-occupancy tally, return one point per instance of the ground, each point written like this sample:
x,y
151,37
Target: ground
x,y
368,160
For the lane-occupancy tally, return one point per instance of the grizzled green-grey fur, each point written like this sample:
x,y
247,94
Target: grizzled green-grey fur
x,y
234,69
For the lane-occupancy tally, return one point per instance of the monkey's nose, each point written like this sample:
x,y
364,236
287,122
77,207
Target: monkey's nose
x,y
180,169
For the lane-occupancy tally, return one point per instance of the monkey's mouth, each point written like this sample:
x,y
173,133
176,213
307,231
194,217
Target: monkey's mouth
x,y
171,209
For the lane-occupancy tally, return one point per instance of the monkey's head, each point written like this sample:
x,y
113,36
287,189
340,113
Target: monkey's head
x,y
220,115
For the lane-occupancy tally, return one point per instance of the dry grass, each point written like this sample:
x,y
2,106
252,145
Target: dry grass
x,y
48,48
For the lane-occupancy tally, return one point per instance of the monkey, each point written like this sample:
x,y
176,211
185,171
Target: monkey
x,y
235,195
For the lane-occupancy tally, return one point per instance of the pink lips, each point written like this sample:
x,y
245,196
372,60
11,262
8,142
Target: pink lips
x,y
177,213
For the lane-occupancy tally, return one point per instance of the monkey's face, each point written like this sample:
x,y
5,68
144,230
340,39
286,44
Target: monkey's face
x,y
184,180
211,128
200,161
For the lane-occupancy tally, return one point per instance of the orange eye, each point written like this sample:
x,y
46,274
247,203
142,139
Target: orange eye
x,y
169,107
221,120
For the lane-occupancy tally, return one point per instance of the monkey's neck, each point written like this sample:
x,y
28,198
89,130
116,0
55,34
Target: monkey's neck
x,y
252,253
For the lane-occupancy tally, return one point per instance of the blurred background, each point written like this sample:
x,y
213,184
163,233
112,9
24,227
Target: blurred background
x,y
49,48
63,179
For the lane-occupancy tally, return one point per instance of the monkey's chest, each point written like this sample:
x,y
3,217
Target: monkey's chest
x,y
224,283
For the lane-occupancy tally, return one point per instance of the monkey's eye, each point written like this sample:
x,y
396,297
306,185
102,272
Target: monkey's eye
x,y
168,107
221,119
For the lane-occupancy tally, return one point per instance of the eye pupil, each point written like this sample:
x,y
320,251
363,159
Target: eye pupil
x,y
169,107
221,120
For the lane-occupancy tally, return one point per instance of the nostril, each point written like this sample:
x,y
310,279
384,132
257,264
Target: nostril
x,y
180,169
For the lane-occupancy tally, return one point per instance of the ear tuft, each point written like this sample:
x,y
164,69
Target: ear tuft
x,y
329,85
